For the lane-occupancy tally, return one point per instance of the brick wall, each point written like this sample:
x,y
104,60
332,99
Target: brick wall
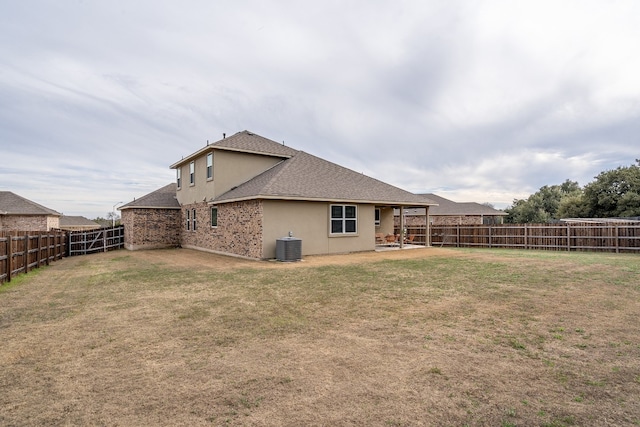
x,y
28,222
151,228
239,230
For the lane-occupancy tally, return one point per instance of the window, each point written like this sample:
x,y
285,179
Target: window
x,y
188,220
179,177
214,216
210,166
343,219
192,173
193,218
377,217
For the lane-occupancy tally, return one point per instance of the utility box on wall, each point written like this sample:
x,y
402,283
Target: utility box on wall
x,y
289,249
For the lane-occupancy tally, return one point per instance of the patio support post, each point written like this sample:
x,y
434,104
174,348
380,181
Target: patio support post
x,y
401,227
427,238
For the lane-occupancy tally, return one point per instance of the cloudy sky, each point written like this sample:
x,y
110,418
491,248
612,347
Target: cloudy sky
x,y
482,101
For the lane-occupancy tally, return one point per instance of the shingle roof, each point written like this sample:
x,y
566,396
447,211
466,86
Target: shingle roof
x,y
307,177
76,221
12,204
448,207
163,198
247,142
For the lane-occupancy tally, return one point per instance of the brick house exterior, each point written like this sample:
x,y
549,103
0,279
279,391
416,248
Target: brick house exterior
x,y
239,195
152,221
20,214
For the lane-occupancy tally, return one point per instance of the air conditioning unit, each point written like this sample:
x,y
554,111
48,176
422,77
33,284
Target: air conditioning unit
x,y
289,249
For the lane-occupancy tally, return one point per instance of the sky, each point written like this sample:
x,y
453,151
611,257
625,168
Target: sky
x,y
483,101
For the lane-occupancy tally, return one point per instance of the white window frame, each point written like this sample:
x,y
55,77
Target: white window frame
x,y
193,218
188,219
377,216
192,173
344,220
179,177
209,166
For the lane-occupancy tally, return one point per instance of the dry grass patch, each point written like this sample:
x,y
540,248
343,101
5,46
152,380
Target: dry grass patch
x,y
424,337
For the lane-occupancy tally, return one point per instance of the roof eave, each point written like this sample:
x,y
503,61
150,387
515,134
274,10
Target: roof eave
x,y
214,147
322,199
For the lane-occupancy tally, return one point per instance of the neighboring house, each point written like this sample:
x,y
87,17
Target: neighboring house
x,y
449,212
242,193
20,214
77,223
152,221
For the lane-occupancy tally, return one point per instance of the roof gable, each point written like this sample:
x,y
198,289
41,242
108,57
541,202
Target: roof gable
x,y
12,204
245,142
307,177
163,198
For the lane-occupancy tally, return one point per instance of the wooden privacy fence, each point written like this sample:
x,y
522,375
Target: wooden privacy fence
x,y
21,252
617,237
100,240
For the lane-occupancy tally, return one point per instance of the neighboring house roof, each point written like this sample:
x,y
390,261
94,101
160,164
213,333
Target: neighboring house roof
x,y
307,177
448,207
76,221
12,204
163,198
245,142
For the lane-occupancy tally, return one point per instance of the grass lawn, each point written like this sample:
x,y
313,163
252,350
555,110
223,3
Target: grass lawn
x,y
429,337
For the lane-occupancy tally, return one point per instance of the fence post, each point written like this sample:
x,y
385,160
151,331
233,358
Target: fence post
x,y
617,239
526,239
458,236
9,256
568,238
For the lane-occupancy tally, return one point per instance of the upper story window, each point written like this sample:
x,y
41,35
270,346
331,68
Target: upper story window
x,y
192,173
179,176
210,166
344,219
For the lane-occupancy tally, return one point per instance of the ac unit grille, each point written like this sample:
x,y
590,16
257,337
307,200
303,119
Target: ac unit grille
x,y
289,249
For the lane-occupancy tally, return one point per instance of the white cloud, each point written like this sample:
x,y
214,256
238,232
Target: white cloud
x,y
483,101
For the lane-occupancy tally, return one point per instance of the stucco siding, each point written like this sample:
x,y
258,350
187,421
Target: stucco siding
x,y
309,221
230,169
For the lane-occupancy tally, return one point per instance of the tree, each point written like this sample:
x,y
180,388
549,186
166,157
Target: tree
x,y
614,193
544,205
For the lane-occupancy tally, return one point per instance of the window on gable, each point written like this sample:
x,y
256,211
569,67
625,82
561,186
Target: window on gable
x,y
193,218
179,177
344,219
188,219
192,173
210,166
214,216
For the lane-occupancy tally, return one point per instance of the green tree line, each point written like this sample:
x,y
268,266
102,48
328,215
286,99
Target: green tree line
x,y
614,193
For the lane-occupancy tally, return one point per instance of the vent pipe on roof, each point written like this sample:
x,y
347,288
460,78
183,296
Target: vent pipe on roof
x,y
224,135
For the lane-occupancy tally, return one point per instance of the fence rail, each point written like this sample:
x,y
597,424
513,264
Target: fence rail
x,y
100,240
21,252
618,238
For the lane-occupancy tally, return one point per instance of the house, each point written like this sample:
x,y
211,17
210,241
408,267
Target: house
x,y
152,221
77,223
448,212
239,195
20,214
